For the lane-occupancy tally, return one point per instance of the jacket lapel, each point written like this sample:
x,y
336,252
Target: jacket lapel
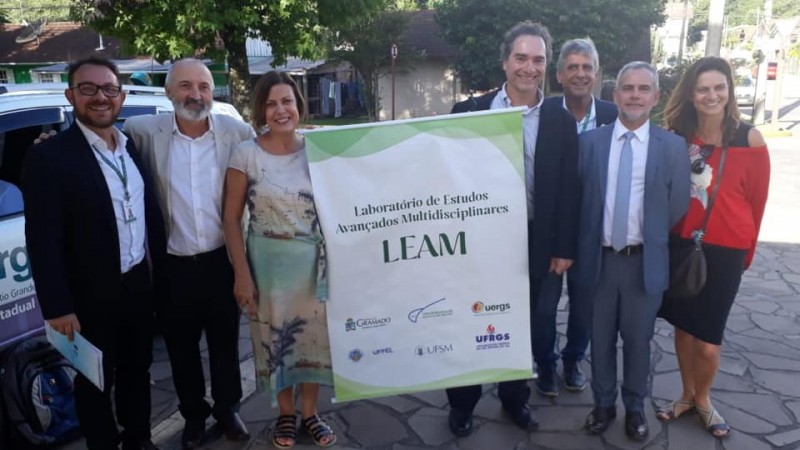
x,y
86,154
160,151
653,156
603,141
220,141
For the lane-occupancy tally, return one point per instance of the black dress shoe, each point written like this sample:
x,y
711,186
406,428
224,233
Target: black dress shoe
x,y
460,423
599,419
523,417
233,427
144,444
574,379
636,426
194,432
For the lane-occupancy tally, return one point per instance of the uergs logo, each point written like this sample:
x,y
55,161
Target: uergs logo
x,y
480,307
492,340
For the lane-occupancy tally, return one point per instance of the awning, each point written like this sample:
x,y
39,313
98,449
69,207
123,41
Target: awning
x,y
262,64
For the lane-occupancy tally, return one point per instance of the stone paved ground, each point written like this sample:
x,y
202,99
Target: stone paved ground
x,y
757,389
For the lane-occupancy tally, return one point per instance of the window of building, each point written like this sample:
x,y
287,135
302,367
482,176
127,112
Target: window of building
x,y
49,78
6,76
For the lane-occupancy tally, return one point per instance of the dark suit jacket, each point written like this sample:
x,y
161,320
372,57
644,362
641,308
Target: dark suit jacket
x,y
553,231
71,231
606,111
666,198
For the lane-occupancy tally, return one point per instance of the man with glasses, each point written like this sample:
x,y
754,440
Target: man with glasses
x,y
187,152
86,207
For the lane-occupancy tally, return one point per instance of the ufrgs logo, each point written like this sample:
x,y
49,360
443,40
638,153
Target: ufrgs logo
x,y
355,355
372,322
492,339
425,350
490,308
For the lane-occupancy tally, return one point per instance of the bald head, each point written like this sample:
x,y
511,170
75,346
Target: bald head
x,y
190,87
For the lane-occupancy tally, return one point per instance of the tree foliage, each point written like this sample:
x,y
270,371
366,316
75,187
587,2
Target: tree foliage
x,y
477,30
28,11
218,29
740,12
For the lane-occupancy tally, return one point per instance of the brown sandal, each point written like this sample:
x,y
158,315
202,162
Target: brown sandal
x,y
286,430
319,430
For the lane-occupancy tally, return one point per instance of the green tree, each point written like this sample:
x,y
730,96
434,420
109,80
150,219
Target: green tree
x,y
15,11
218,29
477,30
366,45
740,12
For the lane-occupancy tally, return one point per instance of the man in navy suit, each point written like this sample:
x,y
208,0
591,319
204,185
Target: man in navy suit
x,y
86,206
551,160
635,182
577,68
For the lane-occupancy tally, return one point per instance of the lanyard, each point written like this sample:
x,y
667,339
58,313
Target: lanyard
x,y
123,175
585,122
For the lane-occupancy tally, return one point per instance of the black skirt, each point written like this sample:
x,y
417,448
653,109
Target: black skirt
x,y
704,316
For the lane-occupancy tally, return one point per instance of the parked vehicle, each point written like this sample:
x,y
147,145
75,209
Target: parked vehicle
x,y
745,90
24,114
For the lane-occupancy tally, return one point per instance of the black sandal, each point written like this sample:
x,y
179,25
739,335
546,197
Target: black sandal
x,y
319,430
285,429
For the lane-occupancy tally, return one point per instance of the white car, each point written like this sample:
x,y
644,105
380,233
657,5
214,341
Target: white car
x,y
25,112
745,90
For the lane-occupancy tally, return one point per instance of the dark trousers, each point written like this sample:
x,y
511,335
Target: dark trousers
x,y
201,300
544,308
513,395
126,339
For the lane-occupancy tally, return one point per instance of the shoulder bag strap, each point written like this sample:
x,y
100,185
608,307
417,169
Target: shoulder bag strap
x,y
714,190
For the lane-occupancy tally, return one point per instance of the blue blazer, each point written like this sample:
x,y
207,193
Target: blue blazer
x,y
553,231
666,198
606,111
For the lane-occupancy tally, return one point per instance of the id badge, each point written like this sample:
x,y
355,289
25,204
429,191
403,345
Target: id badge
x,y
130,216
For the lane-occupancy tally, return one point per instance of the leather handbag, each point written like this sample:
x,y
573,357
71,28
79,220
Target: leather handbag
x,y
687,261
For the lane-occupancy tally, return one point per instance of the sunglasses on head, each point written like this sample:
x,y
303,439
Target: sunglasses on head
x,y
699,165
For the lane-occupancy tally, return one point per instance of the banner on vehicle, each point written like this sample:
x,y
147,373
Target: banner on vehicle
x,y
425,228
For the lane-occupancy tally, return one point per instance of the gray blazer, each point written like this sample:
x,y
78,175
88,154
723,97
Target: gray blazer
x,y
666,198
152,135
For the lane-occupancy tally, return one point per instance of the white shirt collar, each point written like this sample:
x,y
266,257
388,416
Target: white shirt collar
x,y
592,109
641,134
176,130
97,142
503,94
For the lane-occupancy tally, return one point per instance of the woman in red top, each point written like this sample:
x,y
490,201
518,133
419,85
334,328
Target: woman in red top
x,y
703,110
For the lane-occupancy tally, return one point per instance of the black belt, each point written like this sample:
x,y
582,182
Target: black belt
x,y
200,257
627,250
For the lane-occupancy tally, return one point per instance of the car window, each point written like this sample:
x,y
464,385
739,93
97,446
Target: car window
x,y
130,111
18,130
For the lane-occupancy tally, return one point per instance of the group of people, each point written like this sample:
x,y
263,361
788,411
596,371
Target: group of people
x,y
134,229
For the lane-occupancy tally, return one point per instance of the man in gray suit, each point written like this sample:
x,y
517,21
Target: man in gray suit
x,y
186,154
635,185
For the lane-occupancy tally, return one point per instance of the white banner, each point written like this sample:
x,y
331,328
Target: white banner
x,y
425,227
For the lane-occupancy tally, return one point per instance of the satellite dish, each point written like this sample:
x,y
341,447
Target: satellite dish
x,y
31,32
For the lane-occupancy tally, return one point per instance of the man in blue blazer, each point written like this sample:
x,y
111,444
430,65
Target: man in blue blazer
x,y
635,182
551,160
87,202
577,68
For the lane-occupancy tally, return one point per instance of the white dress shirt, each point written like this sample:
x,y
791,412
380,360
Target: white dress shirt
x,y
636,205
195,194
131,232
589,121
530,130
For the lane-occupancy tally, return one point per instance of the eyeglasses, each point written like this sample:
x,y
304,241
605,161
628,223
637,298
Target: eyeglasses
x,y
699,164
90,89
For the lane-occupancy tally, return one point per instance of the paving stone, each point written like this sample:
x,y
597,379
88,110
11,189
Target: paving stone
x,y
562,418
575,398
761,306
742,441
687,433
792,278
667,386
726,382
743,421
781,383
772,362
398,403
257,408
437,398
775,324
414,447
666,344
738,322
766,407
733,365
489,407
615,435
764,346
493,436
572,441
430,424
785,438
160,371
795,408
372,427
771,287
667,363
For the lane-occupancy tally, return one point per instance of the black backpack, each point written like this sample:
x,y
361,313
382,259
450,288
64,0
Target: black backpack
x,y
38,395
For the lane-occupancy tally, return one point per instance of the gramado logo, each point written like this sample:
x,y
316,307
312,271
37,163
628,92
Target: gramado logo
x,y
490,308
373,322
492,336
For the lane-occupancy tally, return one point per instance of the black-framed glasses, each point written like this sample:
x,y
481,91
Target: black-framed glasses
x,y
90,89
699,164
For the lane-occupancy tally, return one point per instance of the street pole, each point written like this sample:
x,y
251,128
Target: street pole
x,y
394,57
682,43
716,14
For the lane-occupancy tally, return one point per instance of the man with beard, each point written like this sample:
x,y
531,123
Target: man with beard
x,y
187,152
86,206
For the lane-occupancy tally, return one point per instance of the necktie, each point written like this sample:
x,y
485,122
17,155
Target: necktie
x,y
619,227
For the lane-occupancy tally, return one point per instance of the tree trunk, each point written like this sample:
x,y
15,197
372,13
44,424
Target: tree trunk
x,y
238,72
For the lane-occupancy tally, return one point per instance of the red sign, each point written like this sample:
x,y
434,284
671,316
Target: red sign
x,y
772,70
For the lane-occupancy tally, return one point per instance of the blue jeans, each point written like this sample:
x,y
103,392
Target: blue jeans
x,y
547,292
